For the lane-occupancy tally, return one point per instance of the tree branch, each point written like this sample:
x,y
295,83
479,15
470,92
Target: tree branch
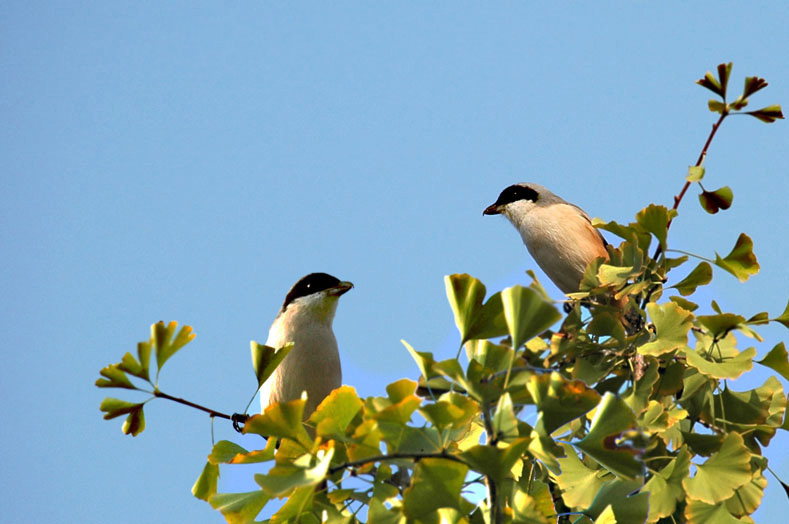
x,y
393,456
236,418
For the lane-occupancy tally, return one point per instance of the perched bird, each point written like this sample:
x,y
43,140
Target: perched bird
x,y
559,235
313,365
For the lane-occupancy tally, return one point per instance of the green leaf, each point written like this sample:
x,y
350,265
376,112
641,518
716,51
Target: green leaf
x,y
721,324
697,512
115,378
166,346
724,72
134,423
612,418
130,365
740,262
665,487
695,173
747,499
768,114
452,410
715,106
784,318
298,502
752,85
714,201
578,482
527,509
144,355
777,359
711,83
239,508
265,359
226,452
114,407
618,494
638,398
493,461
436,484
465,294
306,470
655,219
379,514
727,470
684,304
559,401
527,314
672,324
731,368
505,423
700,276
335,412
281,420
205,486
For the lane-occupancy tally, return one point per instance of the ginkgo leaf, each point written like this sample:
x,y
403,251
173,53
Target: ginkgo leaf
x,y
777,359
239,508
723,473
436,484
335,412
527,314
672,324
205,485
740,262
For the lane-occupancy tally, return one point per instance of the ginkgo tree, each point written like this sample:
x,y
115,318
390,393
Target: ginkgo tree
x,y
620,407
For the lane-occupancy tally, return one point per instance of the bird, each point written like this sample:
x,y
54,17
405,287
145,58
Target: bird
x,y
559,235
313,365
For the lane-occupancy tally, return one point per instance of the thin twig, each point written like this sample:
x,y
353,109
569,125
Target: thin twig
x,y
393,456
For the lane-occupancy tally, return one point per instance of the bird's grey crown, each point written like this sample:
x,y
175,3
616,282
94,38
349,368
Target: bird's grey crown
x,y
527,191
307,285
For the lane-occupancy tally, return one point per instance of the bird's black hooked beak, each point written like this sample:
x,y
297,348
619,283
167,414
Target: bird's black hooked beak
x,y
492,209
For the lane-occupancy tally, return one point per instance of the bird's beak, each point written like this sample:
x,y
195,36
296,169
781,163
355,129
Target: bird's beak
x,y
492,209
341,288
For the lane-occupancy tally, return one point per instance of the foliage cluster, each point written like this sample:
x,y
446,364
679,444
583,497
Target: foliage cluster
x,y
617,410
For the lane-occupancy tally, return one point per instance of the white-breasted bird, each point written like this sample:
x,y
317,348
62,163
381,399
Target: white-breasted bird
x,y
559,235
313,365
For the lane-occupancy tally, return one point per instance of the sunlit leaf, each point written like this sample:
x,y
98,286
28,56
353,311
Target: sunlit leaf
x,y
306,470
465,294
130,365
777,359
494,461
752,85
746,499
559,400
714,201
654,219
239,508
612,418
716,106
281,420
698,512
740,262
335,412
144,356
205,486
784,317
423,359
452,410
607,516
709,365
672,324
297,503
526,313
115,378
579,483
265,359
436,484
378,513
505,424
768,114
639,394
114,407
695,173
226,452
700,276
684,304
135,422
710,82
526,509
166,346
665,487
723,473
619,495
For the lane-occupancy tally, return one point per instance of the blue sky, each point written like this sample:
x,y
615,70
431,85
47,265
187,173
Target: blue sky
x,y
189,161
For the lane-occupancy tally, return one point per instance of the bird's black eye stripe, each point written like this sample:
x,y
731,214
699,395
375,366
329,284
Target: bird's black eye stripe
x,y
515,193
312,283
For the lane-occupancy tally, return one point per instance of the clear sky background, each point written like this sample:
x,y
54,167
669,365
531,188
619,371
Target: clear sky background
x,y
190,161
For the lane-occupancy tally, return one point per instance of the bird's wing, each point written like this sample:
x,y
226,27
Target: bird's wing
x,y
586,217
